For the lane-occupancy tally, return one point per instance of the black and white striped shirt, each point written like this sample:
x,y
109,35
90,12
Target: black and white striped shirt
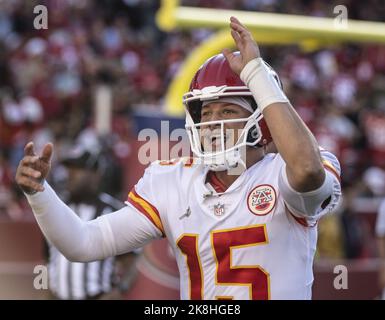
x,y
79,281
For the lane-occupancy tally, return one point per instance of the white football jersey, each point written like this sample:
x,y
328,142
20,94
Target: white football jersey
x,y
243,244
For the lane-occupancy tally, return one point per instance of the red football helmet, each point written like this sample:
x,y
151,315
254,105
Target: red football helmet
x,y
215,80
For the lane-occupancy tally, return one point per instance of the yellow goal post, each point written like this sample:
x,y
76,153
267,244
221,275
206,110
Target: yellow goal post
x,y
267,28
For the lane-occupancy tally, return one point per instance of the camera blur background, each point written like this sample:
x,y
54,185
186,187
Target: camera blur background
x,y
53,79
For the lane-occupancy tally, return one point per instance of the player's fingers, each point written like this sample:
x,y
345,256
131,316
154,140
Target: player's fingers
x,y
236,37
30,172
47,153
235,27
26,182
243,32
227,53
243,35
28,160
28,149
238,23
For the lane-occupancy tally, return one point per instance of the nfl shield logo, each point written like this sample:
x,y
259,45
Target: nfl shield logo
x,y
219,209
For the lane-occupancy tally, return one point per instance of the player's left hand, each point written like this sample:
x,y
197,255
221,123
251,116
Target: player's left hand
x,y
245,43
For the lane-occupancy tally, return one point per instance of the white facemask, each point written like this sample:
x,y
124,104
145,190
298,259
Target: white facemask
x,y
224,157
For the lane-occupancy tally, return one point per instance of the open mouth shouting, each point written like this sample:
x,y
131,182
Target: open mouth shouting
x,y
212,140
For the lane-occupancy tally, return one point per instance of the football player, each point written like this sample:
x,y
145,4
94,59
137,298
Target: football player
x,y
242,222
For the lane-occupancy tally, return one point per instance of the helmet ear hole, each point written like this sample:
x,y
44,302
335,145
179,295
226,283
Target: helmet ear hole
x,y
252,134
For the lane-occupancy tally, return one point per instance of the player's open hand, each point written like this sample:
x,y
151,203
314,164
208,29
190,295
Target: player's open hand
x,y
33,169
245,43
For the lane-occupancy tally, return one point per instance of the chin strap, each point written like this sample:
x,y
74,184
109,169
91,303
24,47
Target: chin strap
x,y
232,165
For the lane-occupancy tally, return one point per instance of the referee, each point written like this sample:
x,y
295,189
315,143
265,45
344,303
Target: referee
x,y
104,279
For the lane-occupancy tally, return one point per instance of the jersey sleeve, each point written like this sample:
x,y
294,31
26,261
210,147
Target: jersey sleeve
x,y
84,241
145,198
308,207
126,230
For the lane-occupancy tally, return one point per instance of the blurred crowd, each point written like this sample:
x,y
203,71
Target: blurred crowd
x,y
48,80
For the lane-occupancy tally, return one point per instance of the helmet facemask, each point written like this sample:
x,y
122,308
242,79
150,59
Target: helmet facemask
x,y
219,147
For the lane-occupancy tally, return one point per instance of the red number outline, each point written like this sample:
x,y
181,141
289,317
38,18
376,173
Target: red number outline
x,y
223,242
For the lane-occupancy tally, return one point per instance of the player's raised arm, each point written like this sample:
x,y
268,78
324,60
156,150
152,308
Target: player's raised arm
x,y
293,139
78,240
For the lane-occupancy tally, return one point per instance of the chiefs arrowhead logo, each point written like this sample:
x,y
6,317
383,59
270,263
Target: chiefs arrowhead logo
x,y
261,199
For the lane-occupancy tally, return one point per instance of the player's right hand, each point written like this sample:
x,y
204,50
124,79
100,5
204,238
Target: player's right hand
x,y
33,169
245,43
